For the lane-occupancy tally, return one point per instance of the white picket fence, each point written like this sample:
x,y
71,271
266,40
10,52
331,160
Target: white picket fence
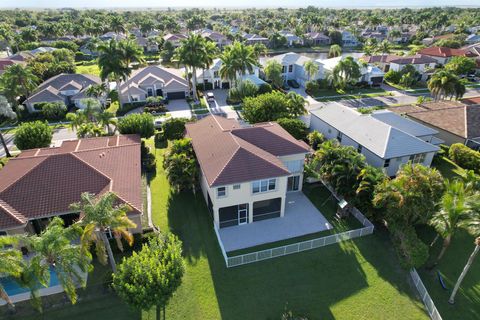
x,y
427,300
299,246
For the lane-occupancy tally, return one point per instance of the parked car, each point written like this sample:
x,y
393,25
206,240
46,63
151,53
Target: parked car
x,y
158,122
210,97
293,84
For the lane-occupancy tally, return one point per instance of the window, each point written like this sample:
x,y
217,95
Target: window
x,y
221,192
264,185
134,98
215,74
150,92
386,164
284,69
236,186
359,148
339,136
417,158
290,68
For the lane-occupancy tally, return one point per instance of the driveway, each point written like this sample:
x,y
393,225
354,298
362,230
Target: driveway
x,y
301,91
221,107
179,109
301,218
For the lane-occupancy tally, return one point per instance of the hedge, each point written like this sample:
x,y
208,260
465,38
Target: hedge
x,y
465,157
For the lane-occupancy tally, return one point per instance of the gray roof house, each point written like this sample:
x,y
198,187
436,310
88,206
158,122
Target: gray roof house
x,y
154,81
386,140
66,88
293,69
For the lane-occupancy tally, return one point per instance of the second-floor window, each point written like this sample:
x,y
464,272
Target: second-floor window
x,y
386,164
264,185
290,68
339,136
221,192
215,74
284,69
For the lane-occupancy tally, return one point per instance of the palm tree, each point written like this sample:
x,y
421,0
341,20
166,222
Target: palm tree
x,y
100,215
384,47
96,90
451,300
117,24
273,72
245,58
311,68
335,51
209,54
130,52
228,69
76,119
55,249
347,71
111,62
7,112
11,262
259,49
190,54
444,84
18,81
455,211
296,104
107,119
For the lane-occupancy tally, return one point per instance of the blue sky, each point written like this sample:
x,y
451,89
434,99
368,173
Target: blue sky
x,y
230,3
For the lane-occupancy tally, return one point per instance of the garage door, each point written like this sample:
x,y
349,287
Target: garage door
x,y
176,95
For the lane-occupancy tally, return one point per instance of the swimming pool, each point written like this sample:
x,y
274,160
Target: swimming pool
x,y
13,288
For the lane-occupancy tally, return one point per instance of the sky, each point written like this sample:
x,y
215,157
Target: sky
x,y
230,3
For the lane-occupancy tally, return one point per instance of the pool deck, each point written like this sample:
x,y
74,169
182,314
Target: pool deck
x,y
301,218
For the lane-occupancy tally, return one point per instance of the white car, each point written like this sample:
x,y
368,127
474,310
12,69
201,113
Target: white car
x,y
210,97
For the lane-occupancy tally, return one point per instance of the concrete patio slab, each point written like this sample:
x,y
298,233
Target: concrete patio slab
x,y
301,218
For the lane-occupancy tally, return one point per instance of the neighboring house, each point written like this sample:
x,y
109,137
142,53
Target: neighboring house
x,y
148,45
378,36
369,72
246,172
21,56
383,145
112,36
212,75
175,38
42,183
443,54
292,39
67,88
7,62
456,122
154,81
473,38
423,64
219,39
349,40
292,67
255,38
42,50
382,61
317,39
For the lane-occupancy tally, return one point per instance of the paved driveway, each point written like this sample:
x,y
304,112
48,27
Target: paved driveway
x,y
301,218
179,109
221,107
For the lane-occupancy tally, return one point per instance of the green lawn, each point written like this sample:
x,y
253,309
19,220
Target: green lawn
x,y
357,279
358,93
467,302
88,69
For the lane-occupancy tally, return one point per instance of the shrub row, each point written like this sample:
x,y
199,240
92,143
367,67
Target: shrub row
x,y
465,157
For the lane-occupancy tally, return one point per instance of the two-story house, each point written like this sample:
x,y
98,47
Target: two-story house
x,y
69,89
293,67
154,81
423,64
246,171
387,141
349,39
443,54
212,76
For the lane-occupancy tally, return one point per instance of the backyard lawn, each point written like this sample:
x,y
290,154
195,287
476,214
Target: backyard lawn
x,y
88,69
467,301
357,279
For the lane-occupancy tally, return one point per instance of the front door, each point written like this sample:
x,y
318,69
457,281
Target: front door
x,y
242,213
293,183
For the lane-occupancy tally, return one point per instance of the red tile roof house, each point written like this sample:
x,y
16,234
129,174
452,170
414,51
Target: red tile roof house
x,y
443,54
42,183
246,171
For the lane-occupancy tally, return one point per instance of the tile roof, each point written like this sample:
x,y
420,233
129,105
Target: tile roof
x,y
229,153
44,182
385,58
154,74
416,59
460,119
443,52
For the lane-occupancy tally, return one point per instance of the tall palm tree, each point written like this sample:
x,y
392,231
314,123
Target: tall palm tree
x,y
130,52
455,211
273,72
245,58
11,262
451,300
444,84
311,68
209,54
112,63
108,120
384,47
335,51
7,112
18,81
117,24
190,54
100,215
55,249
296,104
76,119
228,69
96,90
346,72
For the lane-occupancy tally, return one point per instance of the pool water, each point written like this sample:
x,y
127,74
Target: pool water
x,y
12,287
